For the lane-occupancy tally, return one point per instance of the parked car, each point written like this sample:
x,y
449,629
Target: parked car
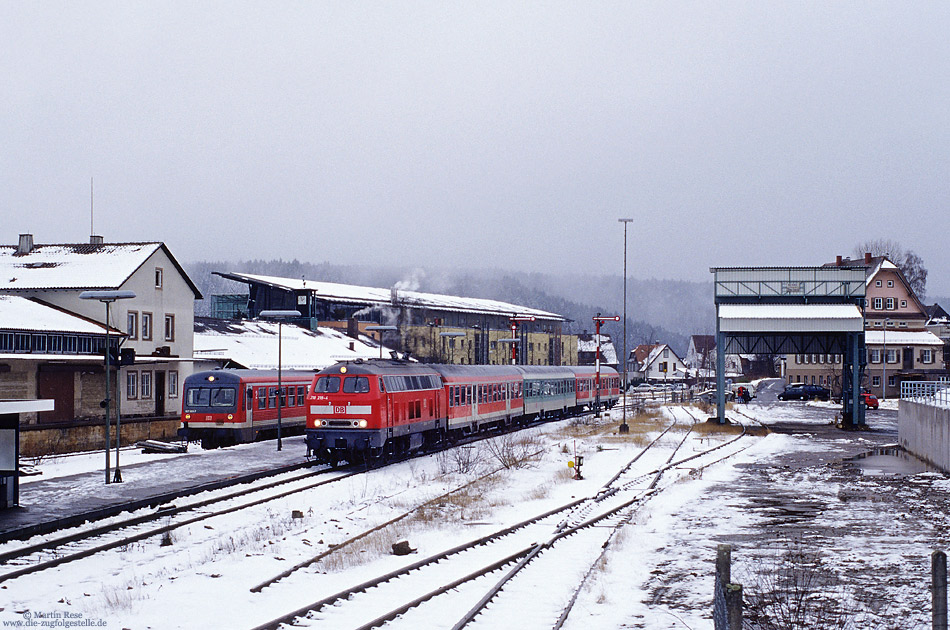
x,y
870,400
800,391
709,396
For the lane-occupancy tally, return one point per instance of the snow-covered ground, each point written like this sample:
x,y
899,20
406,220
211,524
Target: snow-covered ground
x,y
786,491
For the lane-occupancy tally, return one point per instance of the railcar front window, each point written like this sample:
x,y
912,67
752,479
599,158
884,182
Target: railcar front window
x,y
210,397
222,397
327,385
198,397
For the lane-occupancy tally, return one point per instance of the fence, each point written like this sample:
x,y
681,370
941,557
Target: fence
x,y
935,393
728,604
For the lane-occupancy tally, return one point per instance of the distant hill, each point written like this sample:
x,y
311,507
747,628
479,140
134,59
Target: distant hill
x,y
657,310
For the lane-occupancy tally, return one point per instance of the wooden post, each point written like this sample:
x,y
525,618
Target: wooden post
x,y
938,576
734,606
723,573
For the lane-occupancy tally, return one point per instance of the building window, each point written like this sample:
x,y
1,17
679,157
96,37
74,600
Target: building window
x,y
903,303
875,381
902,325
131,385
891,304
877,283
173,384
146,384
55,344
891,381
169,328
146,328
39,343
890,283
158,277
22,343
875,356
70,344
927,356
892,356
878,303
133,326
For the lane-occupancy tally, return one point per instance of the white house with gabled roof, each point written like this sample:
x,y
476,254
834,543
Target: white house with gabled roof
x,y
157,323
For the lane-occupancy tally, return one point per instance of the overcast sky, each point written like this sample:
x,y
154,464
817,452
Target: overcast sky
x,y
482,134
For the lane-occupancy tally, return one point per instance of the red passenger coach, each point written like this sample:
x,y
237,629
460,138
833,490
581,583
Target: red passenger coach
x,y
224,407
587,387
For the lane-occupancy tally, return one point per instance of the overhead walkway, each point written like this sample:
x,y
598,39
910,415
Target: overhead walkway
x,y
792,310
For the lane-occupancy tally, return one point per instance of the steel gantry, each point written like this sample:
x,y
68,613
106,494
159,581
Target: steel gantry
x,y
793,310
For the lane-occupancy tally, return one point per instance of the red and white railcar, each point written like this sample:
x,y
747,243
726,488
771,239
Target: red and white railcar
x,y
224,407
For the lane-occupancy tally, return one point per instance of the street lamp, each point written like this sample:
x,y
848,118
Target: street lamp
x,y
280,316
451,336
624,428
381,330
887,320
107,298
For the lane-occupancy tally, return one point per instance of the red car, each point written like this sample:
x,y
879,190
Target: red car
x,y
870,400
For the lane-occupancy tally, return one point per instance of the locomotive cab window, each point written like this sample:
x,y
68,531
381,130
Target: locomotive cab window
x,y
327,385
356,385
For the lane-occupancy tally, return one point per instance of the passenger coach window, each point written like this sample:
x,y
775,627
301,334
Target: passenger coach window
x,y
301,394
327,385
355,385
262,398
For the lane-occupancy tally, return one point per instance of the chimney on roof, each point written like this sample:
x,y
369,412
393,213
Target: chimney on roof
x,y
867,258
837,261
26,244
95,239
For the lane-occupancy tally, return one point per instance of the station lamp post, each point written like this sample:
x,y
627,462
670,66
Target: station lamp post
x,y
280,316
624,427
451,336
381,330
107,298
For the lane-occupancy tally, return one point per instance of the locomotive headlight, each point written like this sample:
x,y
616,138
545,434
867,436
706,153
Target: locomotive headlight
x,y
363,424
230,416
187,416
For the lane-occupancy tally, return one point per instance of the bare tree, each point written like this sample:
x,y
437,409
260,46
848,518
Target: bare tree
x,y
910,264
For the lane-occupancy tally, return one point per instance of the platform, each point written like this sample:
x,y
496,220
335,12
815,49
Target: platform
x,y
61,497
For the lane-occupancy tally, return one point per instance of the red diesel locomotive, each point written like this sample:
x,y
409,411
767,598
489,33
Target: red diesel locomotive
x,y
225,407
362,411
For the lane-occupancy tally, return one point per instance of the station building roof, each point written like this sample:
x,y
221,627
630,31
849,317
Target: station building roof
x,y
77,266
254,345
22,314
370,296
792,318
902,338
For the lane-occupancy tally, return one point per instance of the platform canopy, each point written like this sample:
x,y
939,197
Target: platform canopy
x,y
790,318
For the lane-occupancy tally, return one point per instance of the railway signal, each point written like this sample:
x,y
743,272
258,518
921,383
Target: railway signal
x,y
598,320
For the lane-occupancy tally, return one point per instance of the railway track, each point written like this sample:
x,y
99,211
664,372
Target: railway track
x,y
52,552
580,529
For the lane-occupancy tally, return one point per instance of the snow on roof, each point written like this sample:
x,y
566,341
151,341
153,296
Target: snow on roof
x,y
105,266
254,345
19,313
333,291
790,317
607,349
902,338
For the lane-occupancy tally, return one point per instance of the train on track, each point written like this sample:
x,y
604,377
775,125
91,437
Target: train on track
x,y
225,407
372,410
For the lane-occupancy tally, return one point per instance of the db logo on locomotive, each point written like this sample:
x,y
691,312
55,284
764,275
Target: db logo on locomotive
x,y
339,409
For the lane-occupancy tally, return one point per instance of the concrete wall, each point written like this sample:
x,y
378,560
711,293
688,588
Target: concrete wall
x,y
924,430
38,441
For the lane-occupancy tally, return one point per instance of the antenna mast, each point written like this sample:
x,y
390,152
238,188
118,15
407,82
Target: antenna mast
x,y
92,229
